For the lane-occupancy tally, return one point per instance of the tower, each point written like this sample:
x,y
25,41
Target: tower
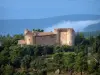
x,y
70,37
28,36
65,36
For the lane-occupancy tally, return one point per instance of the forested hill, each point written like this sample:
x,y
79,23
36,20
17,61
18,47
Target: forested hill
x,y
93,27
80,59
91,33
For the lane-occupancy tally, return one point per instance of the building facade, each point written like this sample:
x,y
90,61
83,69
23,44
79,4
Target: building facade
x,y
60,36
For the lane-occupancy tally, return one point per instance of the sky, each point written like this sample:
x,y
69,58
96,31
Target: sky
x,y
39,9
36,9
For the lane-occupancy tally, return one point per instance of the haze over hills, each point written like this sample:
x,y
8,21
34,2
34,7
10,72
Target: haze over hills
x,y
93,27
78,22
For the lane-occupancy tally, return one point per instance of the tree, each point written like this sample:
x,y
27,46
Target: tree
x,y
38,30
59,61
8,70
25,62
81,62
16,38
2,69
3,59
38,50
48,50
28,50
15,55
69,62
39,66
79,38
57,49
91,40
94,66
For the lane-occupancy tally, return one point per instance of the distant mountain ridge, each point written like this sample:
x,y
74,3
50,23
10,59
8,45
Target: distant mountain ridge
x,y
93,27
14,26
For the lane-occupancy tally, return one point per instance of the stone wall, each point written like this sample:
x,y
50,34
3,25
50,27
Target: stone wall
x,y
70,37
46,40
60,36
66,36
63,38
29,39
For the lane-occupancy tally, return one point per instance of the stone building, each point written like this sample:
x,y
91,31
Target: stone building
x,y
60,36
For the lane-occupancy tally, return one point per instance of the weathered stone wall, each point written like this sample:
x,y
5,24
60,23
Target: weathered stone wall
x,y
46,40
29,39
66,36
63,38
70,37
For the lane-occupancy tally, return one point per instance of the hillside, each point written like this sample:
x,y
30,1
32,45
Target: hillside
x,y
93,27
91,33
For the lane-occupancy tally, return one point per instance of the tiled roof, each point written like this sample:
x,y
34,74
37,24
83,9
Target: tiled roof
x,y
44,33
48,33
64,29
21,42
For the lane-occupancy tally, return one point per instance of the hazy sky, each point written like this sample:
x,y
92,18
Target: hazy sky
x,y
26,9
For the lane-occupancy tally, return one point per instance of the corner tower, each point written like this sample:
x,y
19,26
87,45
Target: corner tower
x,y
28,36
70,36
65,36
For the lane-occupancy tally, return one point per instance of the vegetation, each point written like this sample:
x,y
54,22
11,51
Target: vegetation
x,y
81,59
38,30
91,33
